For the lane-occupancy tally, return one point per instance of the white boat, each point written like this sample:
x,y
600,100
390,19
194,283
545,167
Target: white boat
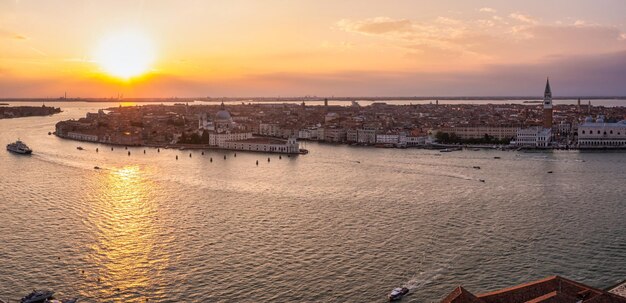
x,y
37,296
397,293
19,147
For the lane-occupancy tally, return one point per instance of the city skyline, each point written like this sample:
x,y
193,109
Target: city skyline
x,y
244,48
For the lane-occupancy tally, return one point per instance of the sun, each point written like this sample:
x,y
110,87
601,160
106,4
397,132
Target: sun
x,y
125,54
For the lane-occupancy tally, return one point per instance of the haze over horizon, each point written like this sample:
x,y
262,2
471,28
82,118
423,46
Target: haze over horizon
x,y
295,48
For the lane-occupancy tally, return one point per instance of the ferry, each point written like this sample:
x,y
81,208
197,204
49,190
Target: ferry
x,y
37,296
398,293
19,147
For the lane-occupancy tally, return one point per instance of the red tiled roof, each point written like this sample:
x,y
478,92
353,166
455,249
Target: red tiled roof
x,y
553,289
460,295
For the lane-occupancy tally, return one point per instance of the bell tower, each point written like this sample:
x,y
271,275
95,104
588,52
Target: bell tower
x,y
547,106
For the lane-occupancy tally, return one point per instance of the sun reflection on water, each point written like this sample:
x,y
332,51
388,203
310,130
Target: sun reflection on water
x,y
126,252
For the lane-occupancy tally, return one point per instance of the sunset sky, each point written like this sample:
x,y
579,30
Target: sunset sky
x,y
326,48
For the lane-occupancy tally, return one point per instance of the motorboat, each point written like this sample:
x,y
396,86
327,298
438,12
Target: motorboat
x,y
447,150
19,147
79,148
37,296
398,293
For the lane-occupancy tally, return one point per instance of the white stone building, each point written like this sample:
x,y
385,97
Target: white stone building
x,y
598,134
535,136
217,139
270,145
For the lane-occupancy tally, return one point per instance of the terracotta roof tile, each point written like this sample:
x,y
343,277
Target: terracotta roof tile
x,y
552,289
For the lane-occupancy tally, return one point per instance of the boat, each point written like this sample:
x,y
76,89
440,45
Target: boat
x,y
37,296
451,149
496,157
79,148
19,147
96,167
397,293
476,167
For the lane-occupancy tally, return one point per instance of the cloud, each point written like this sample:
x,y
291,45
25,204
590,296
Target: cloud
x,y
488,40
523,18
6,34
487,10
379,25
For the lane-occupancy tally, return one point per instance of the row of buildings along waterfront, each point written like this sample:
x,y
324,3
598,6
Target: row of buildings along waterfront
x,y
246,126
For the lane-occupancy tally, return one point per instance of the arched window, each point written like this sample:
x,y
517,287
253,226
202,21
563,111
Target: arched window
x,y
605,133
611,132
598,132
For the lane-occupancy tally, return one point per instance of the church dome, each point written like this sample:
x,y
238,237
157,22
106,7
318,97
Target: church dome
x,y
223,115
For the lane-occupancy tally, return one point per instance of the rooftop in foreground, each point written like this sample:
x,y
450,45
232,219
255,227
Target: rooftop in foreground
x,y
553,289
619,289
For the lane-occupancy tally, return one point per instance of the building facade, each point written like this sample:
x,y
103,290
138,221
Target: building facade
x,y
217,139
598,134
535,136
269,145
477,132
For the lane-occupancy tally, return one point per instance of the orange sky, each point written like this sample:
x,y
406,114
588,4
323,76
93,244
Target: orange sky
x,y
289,48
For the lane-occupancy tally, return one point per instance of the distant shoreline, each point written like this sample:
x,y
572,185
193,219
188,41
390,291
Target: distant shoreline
x,y
312,99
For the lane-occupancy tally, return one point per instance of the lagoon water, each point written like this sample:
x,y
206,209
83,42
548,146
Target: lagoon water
x,y
341,224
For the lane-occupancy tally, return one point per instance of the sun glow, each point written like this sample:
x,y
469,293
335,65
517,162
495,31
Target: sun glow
x,y
125,54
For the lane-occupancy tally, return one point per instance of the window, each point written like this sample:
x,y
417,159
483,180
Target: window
x,y
583,132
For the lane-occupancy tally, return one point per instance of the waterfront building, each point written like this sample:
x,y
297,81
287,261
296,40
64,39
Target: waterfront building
x,y
307,134
366,136
81,137
417,140
395,138
535,136
321,132
335,135
551,289
351,135
218,139
270,145
499,132
599,134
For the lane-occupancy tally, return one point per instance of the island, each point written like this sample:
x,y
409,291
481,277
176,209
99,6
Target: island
x,y
280,127
7,112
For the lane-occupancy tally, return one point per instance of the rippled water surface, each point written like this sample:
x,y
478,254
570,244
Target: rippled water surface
x,y
341,224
